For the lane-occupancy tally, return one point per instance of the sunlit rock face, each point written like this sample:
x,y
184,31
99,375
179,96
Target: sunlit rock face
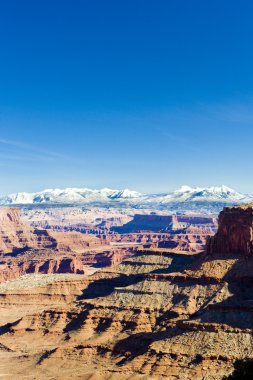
x,y
24,249
235,232
14,234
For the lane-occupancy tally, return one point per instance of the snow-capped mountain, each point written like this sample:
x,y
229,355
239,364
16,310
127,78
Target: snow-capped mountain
x,y
208,194
69,195
209,199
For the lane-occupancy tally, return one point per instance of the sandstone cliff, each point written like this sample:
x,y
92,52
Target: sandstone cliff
x,y
24,249
14,234
235,232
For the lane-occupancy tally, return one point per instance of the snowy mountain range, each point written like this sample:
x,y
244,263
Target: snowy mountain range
x,y
210,199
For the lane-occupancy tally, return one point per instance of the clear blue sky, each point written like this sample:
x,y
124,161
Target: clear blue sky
x,y
142,94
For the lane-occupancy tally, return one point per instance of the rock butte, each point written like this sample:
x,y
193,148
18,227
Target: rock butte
x,y
235,231
158,315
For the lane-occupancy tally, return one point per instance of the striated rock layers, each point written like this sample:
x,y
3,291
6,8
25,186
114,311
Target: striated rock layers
x,y
24,249
158,315
163,223
235,232
16,235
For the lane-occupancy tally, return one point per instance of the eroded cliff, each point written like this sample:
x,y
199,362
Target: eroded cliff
x,y
24,249
235,232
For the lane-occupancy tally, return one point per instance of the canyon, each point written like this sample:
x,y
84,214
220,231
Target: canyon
x,y
146,228
159,314
52,240
25,249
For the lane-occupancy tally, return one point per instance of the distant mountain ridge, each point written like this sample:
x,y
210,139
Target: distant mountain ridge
x,y
186,197
69,195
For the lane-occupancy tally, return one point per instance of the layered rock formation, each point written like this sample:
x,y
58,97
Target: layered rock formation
x,y
155,223
147,228
24,249
158,315
235,232
192,239
146,223
175,232
14,234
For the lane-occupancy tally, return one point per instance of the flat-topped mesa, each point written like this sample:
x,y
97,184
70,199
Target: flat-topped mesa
x,y
235,232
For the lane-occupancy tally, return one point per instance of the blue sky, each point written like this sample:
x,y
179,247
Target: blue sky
x,y
142,94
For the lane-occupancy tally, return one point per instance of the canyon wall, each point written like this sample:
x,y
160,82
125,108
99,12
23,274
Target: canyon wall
x,y
235,232
24,249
